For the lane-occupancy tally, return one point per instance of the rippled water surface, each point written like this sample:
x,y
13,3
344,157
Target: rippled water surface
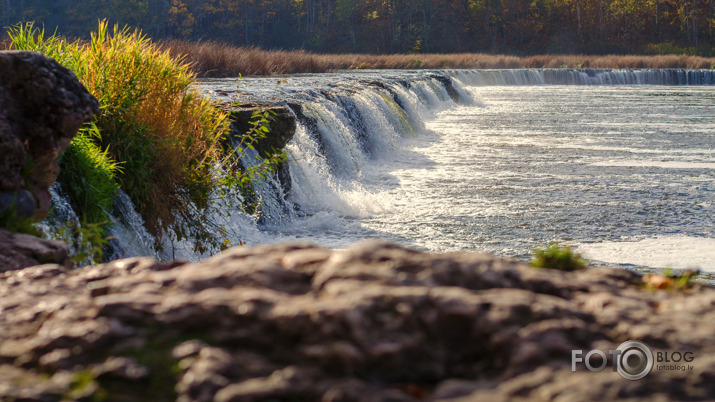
x,y
626,173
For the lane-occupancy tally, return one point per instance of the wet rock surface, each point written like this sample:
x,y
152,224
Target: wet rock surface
x,y
375,322
42,105
281,123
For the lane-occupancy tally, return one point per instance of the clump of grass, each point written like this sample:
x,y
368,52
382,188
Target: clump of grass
x,y
153,123
558,257
87,174
670,281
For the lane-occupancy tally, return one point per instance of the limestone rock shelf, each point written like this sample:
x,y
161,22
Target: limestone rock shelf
x,y
374,322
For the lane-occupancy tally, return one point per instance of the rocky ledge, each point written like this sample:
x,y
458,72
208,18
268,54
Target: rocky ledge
x,y
375,322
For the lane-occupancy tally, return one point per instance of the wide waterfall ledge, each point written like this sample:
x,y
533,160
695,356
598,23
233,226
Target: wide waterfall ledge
x,y
488,160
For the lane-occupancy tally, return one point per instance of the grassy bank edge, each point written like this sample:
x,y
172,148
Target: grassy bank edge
x,y
156,137
219,60
214,60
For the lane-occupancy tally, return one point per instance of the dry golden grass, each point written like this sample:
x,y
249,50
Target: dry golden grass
x,y
210,59
613,61
155,124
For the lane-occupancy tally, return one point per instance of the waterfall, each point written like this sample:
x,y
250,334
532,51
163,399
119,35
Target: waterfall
x,y
274,207
346,123
128,236
585,77
60,215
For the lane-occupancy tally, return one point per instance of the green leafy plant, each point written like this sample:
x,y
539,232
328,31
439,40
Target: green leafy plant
x,y
86,241
559,257
87,174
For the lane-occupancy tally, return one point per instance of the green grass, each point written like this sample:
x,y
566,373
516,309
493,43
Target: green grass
x,y
87,174
558,257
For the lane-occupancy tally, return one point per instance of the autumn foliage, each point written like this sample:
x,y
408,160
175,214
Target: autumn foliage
x,y
398,26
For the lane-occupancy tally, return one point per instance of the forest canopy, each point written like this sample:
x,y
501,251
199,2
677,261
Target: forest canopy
x,y
397,26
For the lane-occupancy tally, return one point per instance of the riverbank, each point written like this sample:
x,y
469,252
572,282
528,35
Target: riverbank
x,y
220,60
210,59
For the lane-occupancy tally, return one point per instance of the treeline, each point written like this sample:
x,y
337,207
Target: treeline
x,y
398,26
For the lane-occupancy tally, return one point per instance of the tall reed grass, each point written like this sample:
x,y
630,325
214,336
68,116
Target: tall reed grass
x,y
166,138
211,59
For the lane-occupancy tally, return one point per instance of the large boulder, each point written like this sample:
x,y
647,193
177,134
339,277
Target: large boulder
x,y
375,322
42,105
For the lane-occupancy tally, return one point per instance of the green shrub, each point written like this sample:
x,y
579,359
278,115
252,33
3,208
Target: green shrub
x,y
557,257
168,140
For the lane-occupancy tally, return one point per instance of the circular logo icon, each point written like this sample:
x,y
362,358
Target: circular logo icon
x,y
635,360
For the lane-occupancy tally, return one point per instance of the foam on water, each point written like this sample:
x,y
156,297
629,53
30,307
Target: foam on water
x,y
680,252
658,164
315,188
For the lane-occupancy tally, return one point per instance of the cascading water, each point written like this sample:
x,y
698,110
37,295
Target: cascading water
x,y
60,214
585,77
275,209
128,236
356,163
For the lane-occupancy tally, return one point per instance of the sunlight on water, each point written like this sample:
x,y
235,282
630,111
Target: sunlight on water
x,y
570,164
659,252
594,166
625,173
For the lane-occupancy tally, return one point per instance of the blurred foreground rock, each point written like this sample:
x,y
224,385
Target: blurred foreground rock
x,y
19,251
373,323
42,105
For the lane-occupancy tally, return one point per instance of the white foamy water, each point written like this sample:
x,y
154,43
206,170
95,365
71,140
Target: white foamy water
x,y
624,172
570,164
681,252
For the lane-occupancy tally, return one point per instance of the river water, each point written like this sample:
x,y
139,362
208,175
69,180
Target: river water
x,y
619,164
625,173
622,172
